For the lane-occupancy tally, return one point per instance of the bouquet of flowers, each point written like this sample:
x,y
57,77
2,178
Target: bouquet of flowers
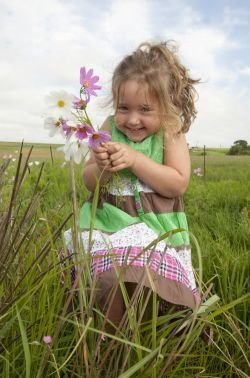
x,y
67,114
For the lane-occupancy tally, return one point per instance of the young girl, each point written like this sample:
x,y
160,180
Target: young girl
x,y
143,173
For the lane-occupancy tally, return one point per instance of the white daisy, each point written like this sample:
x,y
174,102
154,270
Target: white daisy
x,y
74,148
59,104
52,124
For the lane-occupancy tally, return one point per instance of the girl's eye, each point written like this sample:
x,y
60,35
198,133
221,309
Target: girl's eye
x,y
145,109
122,108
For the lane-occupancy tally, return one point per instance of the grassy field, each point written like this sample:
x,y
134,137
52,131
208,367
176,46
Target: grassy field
x,y
36,204
40,151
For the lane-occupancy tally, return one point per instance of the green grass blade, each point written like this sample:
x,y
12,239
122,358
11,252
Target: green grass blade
x,y
140,364
25,344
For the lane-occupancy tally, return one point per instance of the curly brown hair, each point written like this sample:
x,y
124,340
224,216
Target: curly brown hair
x,y
168,81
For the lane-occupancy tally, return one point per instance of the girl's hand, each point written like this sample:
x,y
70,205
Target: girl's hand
x,y
121,156
102,157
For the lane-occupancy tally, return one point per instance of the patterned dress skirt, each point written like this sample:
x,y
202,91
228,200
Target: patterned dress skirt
x,y
124,256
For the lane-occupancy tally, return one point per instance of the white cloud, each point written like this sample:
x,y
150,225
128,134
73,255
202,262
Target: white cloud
x,y
222,117
126,24
236,16
44,44
245,71
200,47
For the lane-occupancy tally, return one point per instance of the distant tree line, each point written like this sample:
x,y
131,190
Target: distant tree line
x,y
239,147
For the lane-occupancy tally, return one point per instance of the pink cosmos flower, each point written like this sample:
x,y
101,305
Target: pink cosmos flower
x,y
47,339
98,137
79,103
66,129
83,131
67,115
88,82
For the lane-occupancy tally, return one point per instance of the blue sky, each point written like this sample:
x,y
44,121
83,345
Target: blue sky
x,y
43,44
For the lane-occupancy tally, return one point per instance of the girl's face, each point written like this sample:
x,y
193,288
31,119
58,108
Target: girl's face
x,y
137,114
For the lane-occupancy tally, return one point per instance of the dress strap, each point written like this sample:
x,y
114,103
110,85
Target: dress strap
x,y
138,203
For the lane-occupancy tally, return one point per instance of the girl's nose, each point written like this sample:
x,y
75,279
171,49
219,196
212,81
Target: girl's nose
x,y
134,118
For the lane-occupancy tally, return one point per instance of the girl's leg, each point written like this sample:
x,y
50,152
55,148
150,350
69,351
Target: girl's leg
x,y
112,305
131,287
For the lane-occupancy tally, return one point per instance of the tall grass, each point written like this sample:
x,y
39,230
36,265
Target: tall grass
x,y
37,205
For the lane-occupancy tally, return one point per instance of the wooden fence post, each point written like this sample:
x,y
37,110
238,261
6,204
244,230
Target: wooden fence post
x,y
204,161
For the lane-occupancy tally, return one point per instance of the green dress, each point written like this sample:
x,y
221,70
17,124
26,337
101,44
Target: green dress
x,y
126,231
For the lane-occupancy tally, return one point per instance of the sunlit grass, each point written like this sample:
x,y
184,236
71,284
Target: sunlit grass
x,y
35,208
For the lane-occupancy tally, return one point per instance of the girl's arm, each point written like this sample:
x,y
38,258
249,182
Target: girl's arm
x,y
95,169
169,179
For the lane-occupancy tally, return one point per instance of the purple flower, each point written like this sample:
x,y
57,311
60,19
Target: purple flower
x,y
98,137
66,128
47,339
79,103
88,82
83,131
